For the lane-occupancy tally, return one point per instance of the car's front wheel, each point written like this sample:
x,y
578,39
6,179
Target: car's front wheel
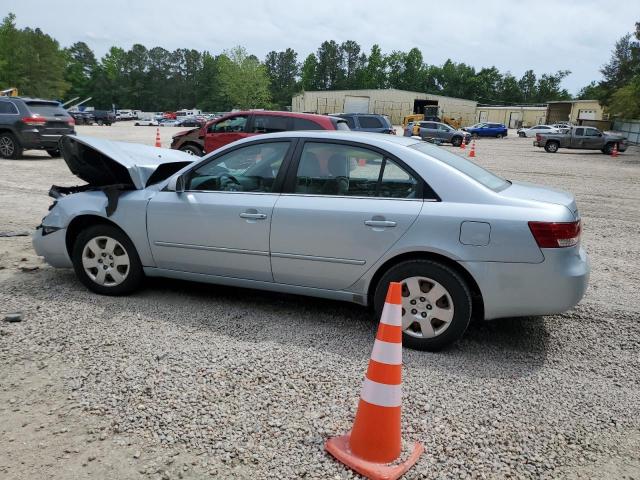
x,y
499,135
192,150
106,261
436,303
456,141
522,135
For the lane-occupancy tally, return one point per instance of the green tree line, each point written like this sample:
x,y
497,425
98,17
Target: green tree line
x,y
159,79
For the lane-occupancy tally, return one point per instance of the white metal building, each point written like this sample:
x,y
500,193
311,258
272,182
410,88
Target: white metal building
x,y
394,103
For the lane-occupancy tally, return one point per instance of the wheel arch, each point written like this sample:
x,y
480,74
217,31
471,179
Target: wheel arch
x,y
477,300
82,222
192,144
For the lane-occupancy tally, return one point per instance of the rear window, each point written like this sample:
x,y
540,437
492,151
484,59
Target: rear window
x,y
370,122
304,124
463,165
270,124
47,109
350,121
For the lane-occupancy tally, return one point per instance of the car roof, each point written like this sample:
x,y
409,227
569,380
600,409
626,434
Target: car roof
x,y
376,139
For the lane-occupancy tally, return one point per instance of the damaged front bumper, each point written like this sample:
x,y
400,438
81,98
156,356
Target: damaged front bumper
x,y
50,243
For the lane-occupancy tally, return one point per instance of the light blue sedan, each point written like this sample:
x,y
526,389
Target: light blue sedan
x,y
329,214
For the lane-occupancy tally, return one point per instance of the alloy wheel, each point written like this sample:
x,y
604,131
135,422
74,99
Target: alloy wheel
x,y
427,307
6,146
105,261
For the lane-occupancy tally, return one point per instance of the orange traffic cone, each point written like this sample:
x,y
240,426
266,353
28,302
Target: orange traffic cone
x,y
463,145
614,151
472,152
158,142
374,440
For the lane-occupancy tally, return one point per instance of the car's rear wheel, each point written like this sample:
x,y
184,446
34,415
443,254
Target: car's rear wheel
x,y
499,135
9,146
456,141
106,261
436,303
192,150
551,147
53,152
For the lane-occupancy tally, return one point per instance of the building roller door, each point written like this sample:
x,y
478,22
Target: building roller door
x,y
356,104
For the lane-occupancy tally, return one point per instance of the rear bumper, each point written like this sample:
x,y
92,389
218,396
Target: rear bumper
x,y
526,289
52,247
32,138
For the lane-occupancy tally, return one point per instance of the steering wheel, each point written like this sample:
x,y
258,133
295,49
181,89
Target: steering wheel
x,y
229,183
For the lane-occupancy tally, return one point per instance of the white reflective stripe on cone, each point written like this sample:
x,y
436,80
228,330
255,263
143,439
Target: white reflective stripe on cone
x,y
387,352
381,394
391,314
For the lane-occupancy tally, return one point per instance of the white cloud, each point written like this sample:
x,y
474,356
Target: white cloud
x,y
514,36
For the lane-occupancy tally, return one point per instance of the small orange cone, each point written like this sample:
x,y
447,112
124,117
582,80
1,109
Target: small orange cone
x,y
463,145
375,439
158,142
472,152
614,151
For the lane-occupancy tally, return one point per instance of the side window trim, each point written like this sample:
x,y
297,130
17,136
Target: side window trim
x,y
424,190
280,178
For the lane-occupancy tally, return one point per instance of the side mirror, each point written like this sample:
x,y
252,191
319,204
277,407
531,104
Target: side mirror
x,y
176,184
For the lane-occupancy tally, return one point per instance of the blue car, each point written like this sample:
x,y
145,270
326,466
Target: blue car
x,y
497,130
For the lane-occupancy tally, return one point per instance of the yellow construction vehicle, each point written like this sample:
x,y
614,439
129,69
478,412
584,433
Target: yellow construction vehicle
x,y
9,92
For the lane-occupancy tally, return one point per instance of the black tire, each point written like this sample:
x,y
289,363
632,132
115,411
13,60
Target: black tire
x,y
474,135
456,141
136,124
9,146
522,135
450,280
53,153
551,147
192,150
499,135
608,148
100,122
135,273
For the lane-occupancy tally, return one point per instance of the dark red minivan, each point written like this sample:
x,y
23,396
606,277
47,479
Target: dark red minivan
x,y
234,126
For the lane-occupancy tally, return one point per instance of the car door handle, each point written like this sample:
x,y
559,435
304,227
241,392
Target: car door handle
x,y
253,216
380,223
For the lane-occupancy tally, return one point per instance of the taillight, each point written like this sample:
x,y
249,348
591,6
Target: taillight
x,y
71,122
34,120
538,137
556,234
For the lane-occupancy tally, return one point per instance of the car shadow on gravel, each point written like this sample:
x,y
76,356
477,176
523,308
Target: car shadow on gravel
x,y
512,347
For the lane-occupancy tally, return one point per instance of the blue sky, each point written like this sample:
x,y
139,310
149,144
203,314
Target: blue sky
x,y
512,35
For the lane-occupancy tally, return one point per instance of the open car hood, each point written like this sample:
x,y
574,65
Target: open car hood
x,y
103,162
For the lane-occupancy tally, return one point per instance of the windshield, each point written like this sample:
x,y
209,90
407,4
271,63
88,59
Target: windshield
x,y
463,165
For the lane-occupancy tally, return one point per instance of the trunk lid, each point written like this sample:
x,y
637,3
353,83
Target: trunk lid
x,y
102,162
531,191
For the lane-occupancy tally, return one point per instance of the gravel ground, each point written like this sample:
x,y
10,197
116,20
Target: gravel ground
x,y
186,381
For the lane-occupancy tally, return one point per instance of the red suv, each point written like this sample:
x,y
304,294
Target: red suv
x,y
237,125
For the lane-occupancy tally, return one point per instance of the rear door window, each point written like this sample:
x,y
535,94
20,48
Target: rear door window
x,y
350,122
591,132
271,124
370,122
304,124
579,132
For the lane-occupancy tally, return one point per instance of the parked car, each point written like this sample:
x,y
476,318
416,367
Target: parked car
x,y
497,130
146,122
82,118
32,123
190,122
586,138
234,126
531,131
443,132
168,122
368,122
337,215
104,117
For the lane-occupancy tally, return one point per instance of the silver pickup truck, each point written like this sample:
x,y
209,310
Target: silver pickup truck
x,y
586,138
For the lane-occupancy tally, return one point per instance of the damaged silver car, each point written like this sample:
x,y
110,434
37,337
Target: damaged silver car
x,y
337,215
